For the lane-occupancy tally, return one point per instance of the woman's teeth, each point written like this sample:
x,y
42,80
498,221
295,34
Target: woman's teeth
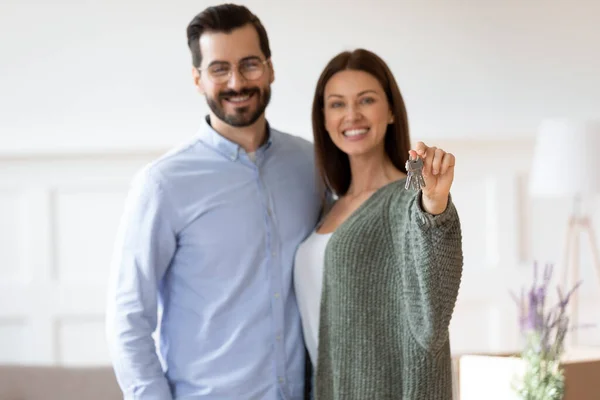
x,y
355,132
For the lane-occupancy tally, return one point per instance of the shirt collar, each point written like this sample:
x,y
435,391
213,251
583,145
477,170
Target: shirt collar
x,y
225,146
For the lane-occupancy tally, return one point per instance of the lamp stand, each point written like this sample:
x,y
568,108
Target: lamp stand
x,y
577,226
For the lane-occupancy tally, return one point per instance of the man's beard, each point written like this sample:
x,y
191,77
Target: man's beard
x,y
242,116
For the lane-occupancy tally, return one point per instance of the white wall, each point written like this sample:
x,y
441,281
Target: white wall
x,y
90,91
116,74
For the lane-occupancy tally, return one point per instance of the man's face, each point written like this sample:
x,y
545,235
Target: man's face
x,y
238,99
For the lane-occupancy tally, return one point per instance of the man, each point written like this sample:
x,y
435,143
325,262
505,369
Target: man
x,y
208,239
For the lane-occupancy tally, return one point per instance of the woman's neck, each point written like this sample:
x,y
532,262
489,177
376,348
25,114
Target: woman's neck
x,y
370,173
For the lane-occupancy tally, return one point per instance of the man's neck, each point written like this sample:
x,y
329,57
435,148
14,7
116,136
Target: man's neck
x,y
249,137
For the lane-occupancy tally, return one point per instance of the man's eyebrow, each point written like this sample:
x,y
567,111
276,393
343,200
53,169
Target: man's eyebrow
x,y
216,62
227,62
250,58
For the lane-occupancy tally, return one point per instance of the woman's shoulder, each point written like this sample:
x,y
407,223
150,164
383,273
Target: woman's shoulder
x,y
397,193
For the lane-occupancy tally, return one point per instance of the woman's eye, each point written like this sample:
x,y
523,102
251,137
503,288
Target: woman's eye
x,y
368,100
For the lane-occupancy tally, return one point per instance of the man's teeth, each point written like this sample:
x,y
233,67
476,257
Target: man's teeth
x,y
238,99
355,132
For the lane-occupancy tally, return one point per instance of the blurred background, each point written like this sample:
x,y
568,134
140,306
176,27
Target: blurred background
x,y
93,90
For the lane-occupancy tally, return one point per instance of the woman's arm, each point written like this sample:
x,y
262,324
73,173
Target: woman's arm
x,y
429,253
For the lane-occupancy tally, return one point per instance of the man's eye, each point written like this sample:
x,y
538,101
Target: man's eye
x,y
219,70
251,65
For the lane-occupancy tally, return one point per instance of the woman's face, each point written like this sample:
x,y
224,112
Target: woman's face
x,y
357,112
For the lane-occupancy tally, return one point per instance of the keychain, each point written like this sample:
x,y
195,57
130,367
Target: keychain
x,y
414,170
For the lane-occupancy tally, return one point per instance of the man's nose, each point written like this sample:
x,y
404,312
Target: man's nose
x,y
236,80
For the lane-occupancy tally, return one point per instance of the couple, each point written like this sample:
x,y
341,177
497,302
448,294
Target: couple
x,y
234,243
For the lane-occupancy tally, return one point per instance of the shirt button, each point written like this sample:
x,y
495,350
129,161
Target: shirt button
x,y
280,379
278,337
276,295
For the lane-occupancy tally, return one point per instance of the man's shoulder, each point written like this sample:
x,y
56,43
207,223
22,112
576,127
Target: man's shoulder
x,y
293,141
172,161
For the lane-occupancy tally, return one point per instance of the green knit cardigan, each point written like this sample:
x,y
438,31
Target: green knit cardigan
x,y
391,279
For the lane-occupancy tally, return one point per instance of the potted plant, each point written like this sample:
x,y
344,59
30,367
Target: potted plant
x,y
543,330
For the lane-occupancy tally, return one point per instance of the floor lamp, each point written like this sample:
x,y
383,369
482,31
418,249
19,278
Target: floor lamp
x,y
566,163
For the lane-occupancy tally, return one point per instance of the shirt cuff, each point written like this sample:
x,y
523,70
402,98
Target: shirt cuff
x,y
156,390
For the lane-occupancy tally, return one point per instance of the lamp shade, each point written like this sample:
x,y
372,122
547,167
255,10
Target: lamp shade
x,y
566,159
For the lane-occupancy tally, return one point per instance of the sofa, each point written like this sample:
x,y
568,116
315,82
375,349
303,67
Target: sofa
x,y
62,383
58,383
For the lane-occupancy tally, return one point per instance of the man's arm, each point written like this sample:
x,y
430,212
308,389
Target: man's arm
x,y
143,251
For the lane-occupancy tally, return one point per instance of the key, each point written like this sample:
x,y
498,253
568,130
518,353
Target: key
x,y
414,174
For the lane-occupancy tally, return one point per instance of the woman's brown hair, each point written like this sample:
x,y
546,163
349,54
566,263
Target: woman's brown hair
x,y
332,163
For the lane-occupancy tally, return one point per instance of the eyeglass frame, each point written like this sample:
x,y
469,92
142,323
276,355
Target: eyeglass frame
x,y
235,67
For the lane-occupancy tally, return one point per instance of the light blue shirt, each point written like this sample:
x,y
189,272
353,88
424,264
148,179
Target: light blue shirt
x,y
208,240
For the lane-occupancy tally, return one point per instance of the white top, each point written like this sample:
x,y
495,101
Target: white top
x,y
308,281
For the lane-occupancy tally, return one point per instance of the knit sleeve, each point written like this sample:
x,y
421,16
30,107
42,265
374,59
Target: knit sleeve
x,y
429,254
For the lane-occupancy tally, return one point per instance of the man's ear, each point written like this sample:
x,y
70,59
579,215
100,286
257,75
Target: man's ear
x,y
197,81
272,70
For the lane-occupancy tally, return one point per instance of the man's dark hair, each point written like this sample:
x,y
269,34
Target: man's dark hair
x,y
223,18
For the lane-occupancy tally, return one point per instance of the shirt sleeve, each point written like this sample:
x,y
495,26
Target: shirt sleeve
x,y
145,245
429,251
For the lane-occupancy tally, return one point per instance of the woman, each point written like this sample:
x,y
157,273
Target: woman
x,y
386,261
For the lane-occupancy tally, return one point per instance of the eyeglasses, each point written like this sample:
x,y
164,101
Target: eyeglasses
x,y
251,69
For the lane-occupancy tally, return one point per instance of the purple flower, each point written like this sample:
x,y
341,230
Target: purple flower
x,y
550,325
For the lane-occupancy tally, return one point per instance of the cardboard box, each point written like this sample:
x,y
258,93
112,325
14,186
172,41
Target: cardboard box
x,y
491,376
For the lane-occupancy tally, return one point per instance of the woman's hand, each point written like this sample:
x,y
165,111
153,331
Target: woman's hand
x,y
438,173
